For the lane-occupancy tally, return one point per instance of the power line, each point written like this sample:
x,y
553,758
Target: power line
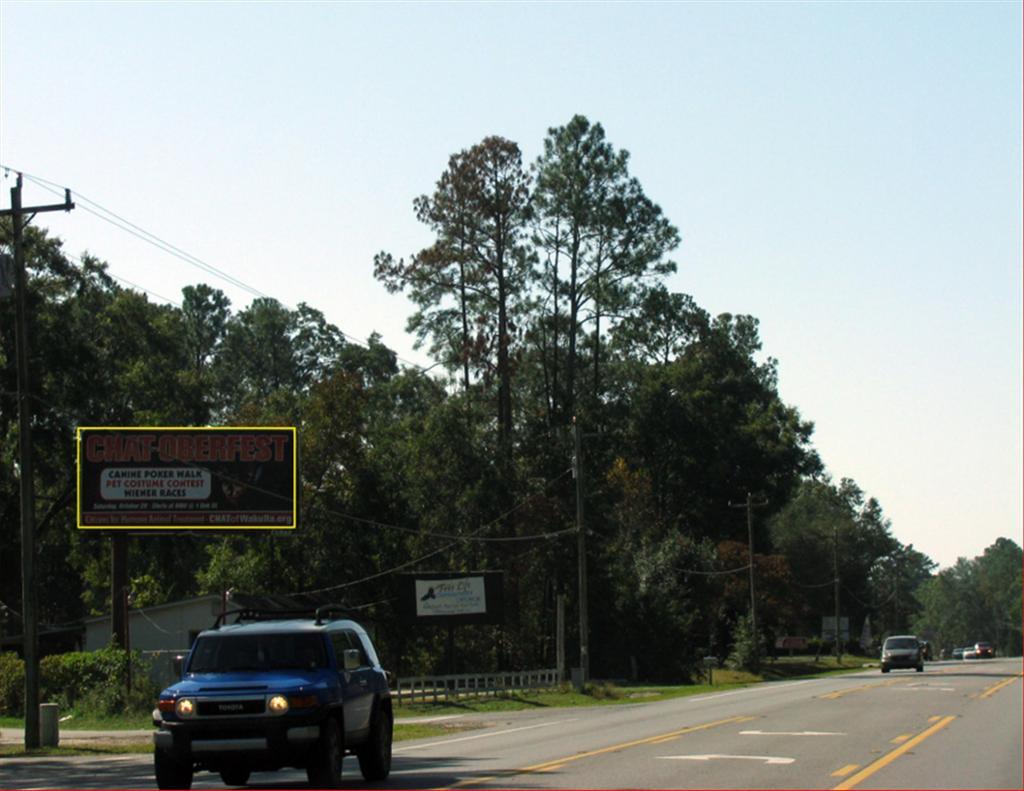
x,y
111,217
127,282
715,573
455,537
429,555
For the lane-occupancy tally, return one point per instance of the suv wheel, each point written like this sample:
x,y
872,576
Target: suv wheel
x,y
324,770
375,755
235,775
172,771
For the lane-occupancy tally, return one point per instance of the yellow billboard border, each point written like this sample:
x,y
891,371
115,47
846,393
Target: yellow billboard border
x,y
185,528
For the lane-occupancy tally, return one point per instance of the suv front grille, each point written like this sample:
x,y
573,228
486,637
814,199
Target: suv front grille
x,y
228,708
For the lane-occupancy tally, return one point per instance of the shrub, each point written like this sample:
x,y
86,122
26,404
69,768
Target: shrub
x,y
604,690
95,680
746,648
12,685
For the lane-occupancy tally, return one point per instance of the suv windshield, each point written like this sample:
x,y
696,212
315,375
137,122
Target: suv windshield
x,y
257,652
901,642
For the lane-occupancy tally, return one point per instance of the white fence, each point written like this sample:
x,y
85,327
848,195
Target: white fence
x,y
411,689
467,685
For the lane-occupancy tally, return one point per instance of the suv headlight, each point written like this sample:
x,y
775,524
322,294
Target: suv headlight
x,y
277,704
185,707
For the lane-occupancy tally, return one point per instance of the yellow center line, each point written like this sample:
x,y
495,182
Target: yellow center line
x,y
901,738
549,766
936,718
885,760
992,690
843,771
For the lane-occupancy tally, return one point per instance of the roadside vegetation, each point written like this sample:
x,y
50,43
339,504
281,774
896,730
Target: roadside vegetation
x,y
543,299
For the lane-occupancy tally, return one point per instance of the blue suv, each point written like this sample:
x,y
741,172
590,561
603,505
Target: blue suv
x,y
262,694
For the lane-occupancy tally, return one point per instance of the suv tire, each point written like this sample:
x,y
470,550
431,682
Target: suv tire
x,y
235,775
375,755
172,771
324,770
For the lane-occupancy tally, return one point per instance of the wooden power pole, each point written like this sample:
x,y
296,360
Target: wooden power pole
x,y
29,614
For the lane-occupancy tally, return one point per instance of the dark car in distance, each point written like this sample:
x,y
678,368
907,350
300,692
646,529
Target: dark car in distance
x,y
270,692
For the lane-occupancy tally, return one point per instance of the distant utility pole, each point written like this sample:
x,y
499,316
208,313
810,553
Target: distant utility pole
x,y
835,576
750,505
25,471
581,539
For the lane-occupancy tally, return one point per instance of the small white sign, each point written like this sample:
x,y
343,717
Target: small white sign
x,y
461,596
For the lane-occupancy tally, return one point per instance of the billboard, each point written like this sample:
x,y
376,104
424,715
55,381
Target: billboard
x,y
186,478
451,597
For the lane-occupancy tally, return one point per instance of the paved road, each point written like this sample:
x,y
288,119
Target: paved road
x,y
957,725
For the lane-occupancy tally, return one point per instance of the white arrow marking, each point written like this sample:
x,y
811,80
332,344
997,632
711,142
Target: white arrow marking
x,y
790,733
768,759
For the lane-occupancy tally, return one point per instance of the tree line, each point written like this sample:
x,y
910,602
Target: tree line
x,y
543,300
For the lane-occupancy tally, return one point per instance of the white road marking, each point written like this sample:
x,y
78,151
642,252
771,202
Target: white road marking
x,y
925,688
768,759
790,733
479,736
774,686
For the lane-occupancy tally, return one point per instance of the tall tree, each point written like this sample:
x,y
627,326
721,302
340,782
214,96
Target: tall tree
x,y
596,218
478,263
442,278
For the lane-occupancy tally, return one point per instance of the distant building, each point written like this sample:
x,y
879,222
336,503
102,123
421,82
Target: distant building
x,y
163,627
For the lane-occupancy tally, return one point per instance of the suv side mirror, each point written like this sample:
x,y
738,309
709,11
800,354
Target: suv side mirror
x,y
352,659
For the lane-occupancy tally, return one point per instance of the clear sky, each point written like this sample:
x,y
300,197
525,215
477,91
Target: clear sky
x,y
851,174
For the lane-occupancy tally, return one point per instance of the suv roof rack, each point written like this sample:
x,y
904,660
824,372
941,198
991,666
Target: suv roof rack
x,y
320,614
325,609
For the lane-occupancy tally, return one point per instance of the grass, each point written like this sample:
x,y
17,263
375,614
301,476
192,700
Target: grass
x,y
119,747
144,745
131,721
602,694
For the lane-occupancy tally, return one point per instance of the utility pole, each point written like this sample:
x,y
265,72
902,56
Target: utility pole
x,y
750,505
30,635
581,538
835,577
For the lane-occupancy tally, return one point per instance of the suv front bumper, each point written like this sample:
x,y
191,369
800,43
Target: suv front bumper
x,y
259,740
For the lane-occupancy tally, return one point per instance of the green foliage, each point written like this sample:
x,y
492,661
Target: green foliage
x,y
95,681
977,599
747,647
604,690
542,296
12,684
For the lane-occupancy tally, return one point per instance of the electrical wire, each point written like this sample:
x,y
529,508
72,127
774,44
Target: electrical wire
x,y
455,537
101,212
429,555
161,297
715,573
